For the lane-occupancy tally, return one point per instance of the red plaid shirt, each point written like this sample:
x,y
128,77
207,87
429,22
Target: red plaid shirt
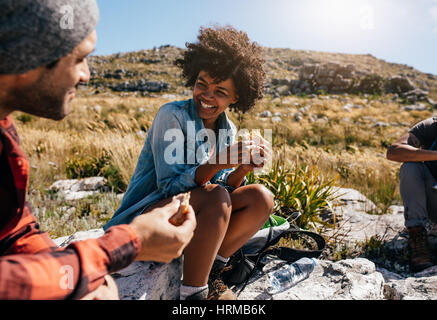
x,y
31,265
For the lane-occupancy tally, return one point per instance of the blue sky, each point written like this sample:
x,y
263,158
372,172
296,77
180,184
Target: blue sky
x,y
400,31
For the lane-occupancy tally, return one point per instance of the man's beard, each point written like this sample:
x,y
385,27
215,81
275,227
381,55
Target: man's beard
x,y
42,99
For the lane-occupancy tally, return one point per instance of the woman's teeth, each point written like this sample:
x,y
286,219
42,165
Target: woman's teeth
x,y
206,106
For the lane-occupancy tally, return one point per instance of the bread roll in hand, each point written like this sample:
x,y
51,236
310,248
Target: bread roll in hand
x,y
179,217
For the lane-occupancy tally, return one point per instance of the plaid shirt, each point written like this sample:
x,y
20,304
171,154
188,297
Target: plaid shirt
x,y
31,265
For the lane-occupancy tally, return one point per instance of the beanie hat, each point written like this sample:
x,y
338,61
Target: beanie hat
x,y
34,33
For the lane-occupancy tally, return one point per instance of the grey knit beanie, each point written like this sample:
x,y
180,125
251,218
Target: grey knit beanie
x,y
34,33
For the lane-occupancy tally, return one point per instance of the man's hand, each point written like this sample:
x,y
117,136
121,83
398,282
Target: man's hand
x,y
161,241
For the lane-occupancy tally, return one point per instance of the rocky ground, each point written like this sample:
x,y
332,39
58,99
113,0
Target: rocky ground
x,y
382,275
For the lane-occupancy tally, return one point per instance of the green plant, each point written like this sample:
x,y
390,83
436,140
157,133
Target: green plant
x,y
299,189
24,118
96,166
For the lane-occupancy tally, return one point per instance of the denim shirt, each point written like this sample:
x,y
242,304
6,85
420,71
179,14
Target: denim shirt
x,y
156,177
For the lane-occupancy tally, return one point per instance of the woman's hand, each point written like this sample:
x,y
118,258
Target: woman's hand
x,y
259,155
246,152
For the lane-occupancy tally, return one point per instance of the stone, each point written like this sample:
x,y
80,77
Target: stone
x,y
276,119
399,84
141,280
421,286
265,114
78,236
352,279
144,280
415,107
75,189
381,124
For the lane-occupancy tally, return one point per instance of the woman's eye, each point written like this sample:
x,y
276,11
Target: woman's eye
x,y
221,94
201,85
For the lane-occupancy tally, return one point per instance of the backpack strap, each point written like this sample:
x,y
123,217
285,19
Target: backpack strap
x,y
291,254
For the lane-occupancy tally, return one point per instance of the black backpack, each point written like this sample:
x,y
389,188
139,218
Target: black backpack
x,y
242,266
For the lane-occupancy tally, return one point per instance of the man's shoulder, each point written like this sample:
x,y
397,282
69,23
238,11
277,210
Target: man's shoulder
x,y
429,123
7,126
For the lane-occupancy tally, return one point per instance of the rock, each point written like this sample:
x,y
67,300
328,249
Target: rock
x,y
415,95
298,116
283,90
381,124
141,85
74,189
141,280
78,236
415,107
358,225
144,280
353,279
86,184
421,286
97,108
353,200
265,114
349,106
396,209
399,84
276,119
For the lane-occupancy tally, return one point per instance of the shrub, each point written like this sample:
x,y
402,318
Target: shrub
x,y
24,118
300,189
101,166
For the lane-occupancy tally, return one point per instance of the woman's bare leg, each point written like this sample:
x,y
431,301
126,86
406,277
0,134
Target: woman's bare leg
x,y
224,223
251,207
212,205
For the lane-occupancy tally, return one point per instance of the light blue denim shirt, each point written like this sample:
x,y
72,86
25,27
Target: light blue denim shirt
x,y
168,161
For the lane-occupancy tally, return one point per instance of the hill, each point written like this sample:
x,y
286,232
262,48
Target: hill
x,y
288,72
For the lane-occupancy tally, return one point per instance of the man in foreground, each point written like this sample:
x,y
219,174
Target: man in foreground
x,y
42,61
418,178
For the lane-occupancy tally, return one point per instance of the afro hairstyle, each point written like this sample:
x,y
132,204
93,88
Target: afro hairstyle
x,y
226,53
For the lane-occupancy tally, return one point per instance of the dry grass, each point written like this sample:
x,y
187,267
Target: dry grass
x,y
346,143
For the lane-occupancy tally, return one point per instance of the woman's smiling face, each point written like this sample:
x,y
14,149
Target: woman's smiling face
x,y
211,98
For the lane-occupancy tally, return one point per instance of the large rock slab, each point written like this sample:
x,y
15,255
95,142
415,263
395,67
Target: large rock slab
x,y
349,279
421,286
141,280
353,279
357,224
144,280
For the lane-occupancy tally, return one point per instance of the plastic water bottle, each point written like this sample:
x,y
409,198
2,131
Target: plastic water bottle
x,y
290,275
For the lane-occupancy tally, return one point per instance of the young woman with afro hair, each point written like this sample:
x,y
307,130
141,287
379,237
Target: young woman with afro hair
x,y
225,70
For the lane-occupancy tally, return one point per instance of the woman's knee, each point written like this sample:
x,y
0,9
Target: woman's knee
x,y
217,199
261,197
218,194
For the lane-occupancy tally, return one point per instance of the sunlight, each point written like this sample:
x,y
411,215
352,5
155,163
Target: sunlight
x,y
342,17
